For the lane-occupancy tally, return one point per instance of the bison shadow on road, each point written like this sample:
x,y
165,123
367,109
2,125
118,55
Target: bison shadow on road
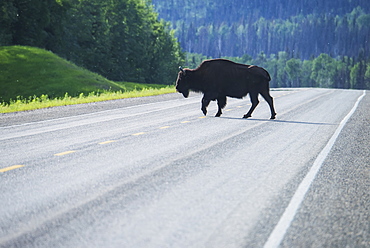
x,y
281,121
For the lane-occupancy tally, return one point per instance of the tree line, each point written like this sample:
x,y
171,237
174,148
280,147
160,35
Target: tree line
x,y
301,43
123,40
322,71
304,28
302,36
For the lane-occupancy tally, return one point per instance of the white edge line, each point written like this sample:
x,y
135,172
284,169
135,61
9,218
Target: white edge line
x,y
286,219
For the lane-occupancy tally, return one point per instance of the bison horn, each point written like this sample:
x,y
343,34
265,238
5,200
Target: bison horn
x,y
182,69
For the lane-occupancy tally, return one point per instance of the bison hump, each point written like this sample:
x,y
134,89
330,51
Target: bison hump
x,y
259,71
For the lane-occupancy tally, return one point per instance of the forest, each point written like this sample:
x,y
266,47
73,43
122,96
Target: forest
x,y
301,43
123,40
303,28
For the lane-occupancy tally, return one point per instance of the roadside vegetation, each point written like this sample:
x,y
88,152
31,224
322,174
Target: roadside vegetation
x,y
89,50
122,40
59,52
44,101
33,78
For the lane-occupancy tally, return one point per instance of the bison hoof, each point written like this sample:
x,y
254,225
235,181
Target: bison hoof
x,y
204,111
246,116
272,118
218,115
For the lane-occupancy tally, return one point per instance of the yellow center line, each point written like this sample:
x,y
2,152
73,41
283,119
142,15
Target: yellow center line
x,y
185,122
228,110
107,142
136,134
164,127
202,117
239,106
11,168
64,153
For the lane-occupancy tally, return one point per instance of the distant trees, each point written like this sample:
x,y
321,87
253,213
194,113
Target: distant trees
x,y
293,70
301,43
122,40
301,36
304,28
322,71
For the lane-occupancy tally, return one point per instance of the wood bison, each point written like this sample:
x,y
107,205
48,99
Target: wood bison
x,y
219,78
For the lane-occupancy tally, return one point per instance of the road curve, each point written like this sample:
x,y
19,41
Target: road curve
x,y
154,172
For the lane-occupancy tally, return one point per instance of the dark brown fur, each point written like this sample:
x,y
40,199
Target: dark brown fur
x,y
219,78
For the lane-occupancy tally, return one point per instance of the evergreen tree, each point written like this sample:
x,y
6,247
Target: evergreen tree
x,y
293,69
303,28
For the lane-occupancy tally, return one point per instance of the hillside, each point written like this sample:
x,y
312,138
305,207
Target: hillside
x,y
228,11
29,71
301,28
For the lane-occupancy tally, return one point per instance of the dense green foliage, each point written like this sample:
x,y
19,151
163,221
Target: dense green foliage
x,y
122,40
322,71
301,43
303,28
29,72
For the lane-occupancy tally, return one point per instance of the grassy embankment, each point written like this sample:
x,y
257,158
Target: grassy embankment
x,y
32,78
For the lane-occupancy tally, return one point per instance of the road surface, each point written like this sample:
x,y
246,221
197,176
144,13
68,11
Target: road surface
x,y
154,172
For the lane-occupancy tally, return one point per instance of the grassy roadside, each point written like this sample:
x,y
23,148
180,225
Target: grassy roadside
x,y
45,102
33,78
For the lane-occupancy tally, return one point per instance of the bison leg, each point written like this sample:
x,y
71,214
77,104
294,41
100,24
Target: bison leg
x,y
205,103
270,101
207,98
254,100
221,102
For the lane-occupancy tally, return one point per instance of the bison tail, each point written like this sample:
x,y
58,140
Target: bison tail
x,y
268,76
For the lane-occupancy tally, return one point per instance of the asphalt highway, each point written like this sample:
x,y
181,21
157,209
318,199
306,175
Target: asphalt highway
x,y
154,172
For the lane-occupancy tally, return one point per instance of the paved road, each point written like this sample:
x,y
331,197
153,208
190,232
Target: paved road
x,y
152,172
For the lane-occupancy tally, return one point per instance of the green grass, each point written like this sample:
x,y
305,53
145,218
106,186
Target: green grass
x,y
33,78
45,102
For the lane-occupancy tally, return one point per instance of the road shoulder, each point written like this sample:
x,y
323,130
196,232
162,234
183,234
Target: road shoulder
x,y
79,109
336,210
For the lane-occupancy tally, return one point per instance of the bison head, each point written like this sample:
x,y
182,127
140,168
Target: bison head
x,y
182,85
